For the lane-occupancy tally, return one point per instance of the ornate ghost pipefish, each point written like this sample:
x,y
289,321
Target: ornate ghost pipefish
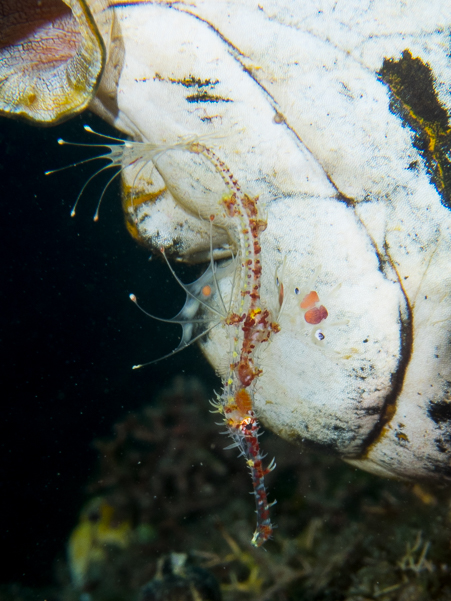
x,y
355,255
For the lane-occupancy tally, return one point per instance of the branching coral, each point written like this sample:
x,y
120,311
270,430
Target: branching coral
x,y
165,484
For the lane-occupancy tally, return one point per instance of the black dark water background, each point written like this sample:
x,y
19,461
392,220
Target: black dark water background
x,y
69,336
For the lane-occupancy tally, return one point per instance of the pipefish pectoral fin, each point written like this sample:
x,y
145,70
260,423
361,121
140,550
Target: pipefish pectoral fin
x,y
186,340
203,309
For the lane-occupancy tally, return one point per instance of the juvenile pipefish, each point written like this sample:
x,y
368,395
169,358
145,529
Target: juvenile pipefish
x,y
235,403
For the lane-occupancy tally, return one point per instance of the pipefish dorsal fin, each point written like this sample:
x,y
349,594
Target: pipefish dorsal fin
x,y
120,154
203,310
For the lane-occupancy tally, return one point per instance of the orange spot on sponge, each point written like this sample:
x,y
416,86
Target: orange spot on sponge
x,y
309,300
316,315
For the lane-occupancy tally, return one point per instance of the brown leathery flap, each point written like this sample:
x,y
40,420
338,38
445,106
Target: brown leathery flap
x,y
51,59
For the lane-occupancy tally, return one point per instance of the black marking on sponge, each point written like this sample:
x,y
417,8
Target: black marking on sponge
x,y
440,411
414,99
202,88
204,96
191,82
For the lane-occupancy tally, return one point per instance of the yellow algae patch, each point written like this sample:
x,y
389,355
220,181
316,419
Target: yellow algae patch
x,y
98,528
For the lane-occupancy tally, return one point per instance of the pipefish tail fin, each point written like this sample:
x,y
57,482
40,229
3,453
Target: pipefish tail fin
x,y
114,154
119,154
115,151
